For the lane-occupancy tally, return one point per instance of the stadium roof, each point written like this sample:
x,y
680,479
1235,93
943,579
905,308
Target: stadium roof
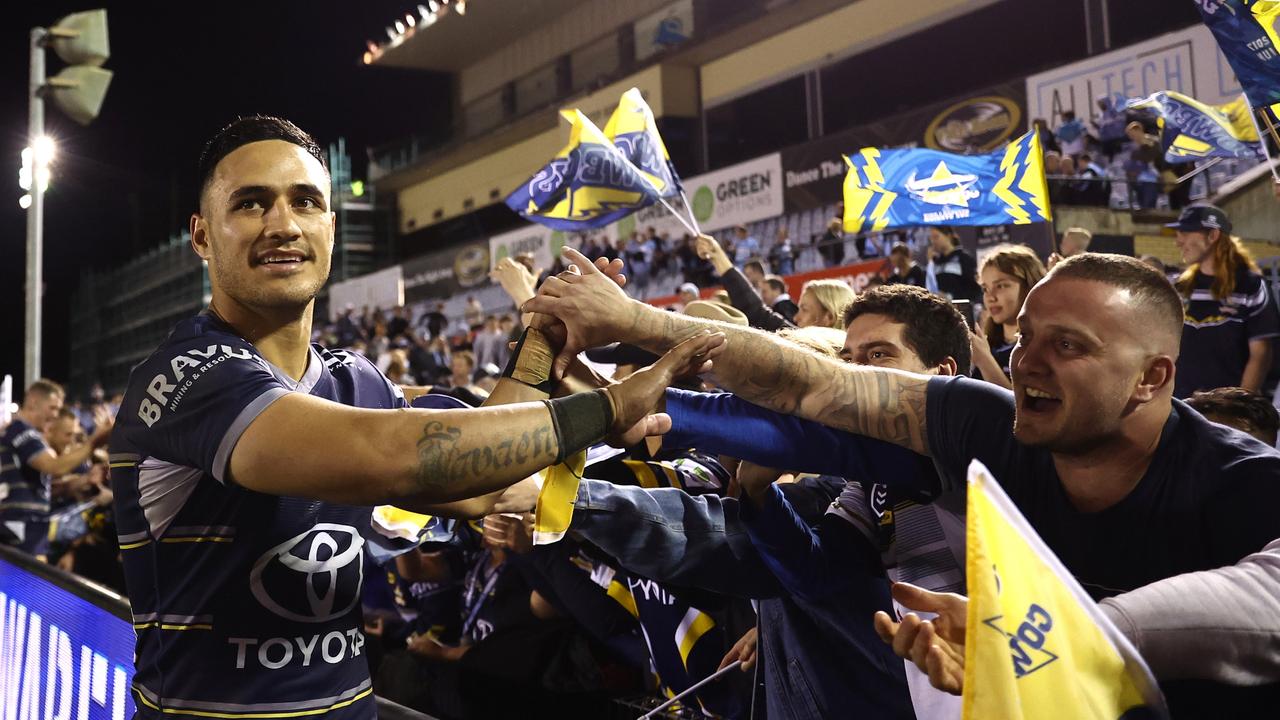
x,y
456,40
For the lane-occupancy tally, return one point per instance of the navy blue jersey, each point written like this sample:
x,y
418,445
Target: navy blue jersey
x,y
24,491
244,603
1216,333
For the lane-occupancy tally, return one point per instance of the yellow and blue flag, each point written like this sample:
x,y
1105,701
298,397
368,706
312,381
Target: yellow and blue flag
x,y
634,130
1192,130
1036,645
1248,31
895,188
587,185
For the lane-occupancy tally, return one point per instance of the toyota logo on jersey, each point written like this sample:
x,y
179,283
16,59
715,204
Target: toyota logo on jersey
x,y
312,577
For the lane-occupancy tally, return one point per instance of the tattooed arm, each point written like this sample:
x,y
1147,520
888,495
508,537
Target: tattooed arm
x,y
760,367
305,446
308,447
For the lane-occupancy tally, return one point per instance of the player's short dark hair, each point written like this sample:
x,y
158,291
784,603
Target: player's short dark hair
x,y
1241,409
44,388
935,330
753,265
255,128
1152,290
67,413
776,282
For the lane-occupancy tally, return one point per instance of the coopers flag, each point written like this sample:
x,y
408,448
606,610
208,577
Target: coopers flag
x,y
895,188
1036,645
587,185
1192,130
633,129
1247,32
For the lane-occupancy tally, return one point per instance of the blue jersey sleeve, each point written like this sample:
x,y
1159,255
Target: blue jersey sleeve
x,y
27,442
190,402
726,424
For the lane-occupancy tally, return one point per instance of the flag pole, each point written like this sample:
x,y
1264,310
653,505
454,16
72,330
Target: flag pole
x,y
1212,161
712,677
689,207
1262,139
679,217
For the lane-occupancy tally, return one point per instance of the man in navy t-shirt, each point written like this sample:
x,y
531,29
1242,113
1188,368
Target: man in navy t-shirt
x,y
246,459
1125,484
28,465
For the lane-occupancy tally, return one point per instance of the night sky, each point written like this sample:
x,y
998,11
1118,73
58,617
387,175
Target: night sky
x,y
127,181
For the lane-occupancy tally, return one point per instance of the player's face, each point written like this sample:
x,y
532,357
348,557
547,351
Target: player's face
x,y
878,340
62,433
47,409
1001,293
1076,364
266,229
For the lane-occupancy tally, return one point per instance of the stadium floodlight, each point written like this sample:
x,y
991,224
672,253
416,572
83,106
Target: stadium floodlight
x,y
79,90
81,40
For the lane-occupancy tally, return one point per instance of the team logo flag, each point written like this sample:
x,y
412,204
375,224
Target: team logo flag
x,y
895,188
1036,645
587,185
634,131
1248,33
1192,130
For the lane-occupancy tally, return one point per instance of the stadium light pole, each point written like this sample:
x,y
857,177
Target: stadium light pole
x,y
80,39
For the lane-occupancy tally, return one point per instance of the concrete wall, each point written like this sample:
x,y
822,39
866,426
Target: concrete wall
x,y
852,29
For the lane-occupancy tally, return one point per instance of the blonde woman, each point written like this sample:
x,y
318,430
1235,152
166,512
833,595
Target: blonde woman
x,y
822,303
1230,318
1007,275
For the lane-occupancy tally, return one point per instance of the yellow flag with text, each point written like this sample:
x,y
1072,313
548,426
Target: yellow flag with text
x,y
1036,645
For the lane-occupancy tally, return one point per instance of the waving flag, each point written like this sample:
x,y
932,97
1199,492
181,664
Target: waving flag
x,y
1249,36
633,129
895,188
1192,130
587,185
1036,645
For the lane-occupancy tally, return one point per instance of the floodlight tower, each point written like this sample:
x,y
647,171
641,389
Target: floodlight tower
x,y
80,39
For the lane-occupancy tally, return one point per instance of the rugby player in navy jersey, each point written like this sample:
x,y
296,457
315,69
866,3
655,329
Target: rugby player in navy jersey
x,y
245,460
28,465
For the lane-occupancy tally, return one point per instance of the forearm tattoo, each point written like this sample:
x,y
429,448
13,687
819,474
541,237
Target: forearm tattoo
x,y
773,373
445,460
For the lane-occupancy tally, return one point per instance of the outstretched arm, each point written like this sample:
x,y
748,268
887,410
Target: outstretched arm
x,y
762,368
308,447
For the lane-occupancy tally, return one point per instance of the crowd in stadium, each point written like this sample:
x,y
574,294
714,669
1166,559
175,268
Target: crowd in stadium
x,y
745,534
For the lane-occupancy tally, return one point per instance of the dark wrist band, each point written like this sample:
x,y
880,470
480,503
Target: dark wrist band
x,y
530,362
580,421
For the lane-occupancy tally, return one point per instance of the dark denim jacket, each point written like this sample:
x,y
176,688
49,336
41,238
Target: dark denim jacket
x,y
819,659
